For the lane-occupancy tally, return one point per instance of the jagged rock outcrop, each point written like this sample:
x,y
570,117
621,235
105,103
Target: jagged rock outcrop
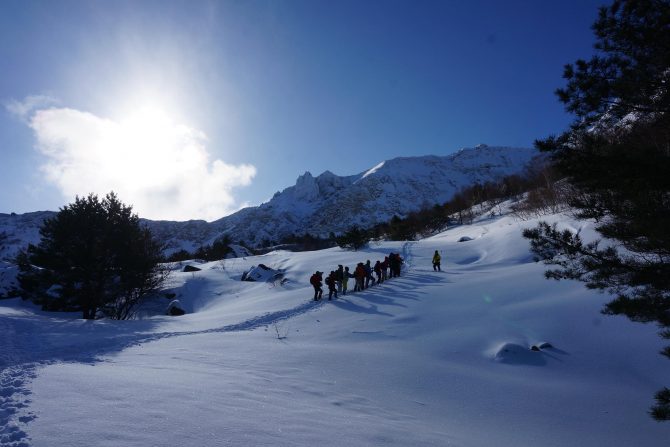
x,y
330,203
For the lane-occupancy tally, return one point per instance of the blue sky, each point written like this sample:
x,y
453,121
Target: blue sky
x,y
192,109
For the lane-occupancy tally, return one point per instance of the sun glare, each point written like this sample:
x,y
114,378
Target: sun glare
x,y
146,142
146,120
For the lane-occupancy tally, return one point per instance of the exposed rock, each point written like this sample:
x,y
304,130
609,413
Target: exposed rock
x,y
175,308
263,273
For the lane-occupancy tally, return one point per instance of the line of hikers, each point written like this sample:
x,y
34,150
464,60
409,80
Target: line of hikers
x,y
338,280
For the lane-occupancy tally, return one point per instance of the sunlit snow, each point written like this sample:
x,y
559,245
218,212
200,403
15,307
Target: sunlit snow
x,y
430,358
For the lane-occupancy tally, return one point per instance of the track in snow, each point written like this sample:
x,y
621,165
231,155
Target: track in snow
x,y
27,345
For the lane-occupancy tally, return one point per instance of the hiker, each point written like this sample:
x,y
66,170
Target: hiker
x,y
315,281
339,276
394,263
399,262
330,282
345,280
436,262
385,266
368,275
359,274
378,271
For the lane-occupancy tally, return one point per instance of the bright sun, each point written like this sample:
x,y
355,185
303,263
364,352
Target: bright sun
x,y
147,124
147,130
147,143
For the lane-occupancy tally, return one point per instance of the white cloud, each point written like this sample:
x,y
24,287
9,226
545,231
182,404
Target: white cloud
x,y
160,167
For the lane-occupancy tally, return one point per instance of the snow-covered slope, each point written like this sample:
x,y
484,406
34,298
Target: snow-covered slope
x,y
19,230
430,358
321,205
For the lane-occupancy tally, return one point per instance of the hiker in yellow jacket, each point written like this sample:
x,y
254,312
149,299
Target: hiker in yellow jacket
x,y
436,262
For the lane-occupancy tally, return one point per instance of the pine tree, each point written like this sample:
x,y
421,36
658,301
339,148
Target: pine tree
x,y
616,155
354,239
93,257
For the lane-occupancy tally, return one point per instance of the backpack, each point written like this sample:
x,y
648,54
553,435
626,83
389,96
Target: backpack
x,y
360,271
314,280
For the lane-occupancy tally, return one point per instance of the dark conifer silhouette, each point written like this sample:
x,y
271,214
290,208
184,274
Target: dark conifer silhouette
x,y
617,157
354,239
93,257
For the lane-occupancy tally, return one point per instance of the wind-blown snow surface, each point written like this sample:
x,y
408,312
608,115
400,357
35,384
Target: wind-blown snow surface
x,y
429,358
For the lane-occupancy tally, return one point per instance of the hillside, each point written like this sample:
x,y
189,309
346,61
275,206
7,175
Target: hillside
x,y
330,203
430,358
320,205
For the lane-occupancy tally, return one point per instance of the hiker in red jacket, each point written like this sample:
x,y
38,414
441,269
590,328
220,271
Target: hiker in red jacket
x,y
315,281
359,274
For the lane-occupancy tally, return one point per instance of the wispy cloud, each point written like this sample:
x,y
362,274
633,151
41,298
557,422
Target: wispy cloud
x,y
161,167
24,109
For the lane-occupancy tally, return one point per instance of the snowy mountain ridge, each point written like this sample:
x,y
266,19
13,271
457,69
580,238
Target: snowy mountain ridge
x,y
331,203
322,204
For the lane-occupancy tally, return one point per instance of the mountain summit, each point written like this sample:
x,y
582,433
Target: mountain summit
x,y
325,203
331,203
